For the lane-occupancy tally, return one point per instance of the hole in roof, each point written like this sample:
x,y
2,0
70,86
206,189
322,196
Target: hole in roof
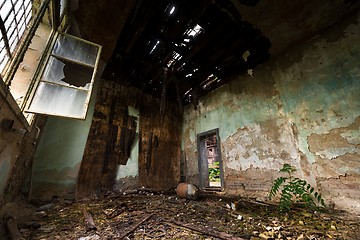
x,y
210,80
154,47
174,57
172,10
193,32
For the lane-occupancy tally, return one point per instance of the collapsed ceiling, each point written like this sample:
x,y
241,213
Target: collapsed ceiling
x,y
185,49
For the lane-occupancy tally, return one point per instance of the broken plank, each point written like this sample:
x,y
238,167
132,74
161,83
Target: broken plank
x,y
13,230
207,231
89,221
133,228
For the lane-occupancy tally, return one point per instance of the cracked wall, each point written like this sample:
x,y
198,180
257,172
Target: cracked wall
x,y
302,108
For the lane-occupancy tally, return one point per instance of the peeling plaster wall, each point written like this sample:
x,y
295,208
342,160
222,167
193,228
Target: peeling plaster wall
x,y
127,175
131,167
321,95
302,108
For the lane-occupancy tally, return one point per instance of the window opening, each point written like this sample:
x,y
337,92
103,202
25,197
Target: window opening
x,y
24,74
210,165
15,15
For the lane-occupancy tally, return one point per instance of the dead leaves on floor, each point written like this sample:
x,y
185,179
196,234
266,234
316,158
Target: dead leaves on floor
x,y
167,217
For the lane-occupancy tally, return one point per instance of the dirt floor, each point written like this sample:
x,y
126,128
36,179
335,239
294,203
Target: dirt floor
x,y
161,216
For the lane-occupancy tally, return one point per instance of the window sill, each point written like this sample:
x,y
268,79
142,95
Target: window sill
x,y
8,98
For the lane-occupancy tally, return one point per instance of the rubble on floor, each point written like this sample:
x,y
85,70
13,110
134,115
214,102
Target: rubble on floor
x,y
162,216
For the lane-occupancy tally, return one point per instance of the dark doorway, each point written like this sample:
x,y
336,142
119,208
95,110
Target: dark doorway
x,y
210,164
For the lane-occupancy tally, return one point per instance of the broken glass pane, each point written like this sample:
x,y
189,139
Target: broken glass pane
x,y
54,71
77,75
59,100
67,73
76,50
66,82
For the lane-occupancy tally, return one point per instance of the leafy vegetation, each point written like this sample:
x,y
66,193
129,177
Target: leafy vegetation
x,y
214,173
294,190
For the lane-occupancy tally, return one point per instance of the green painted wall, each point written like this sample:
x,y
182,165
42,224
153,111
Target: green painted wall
x,y
302,108
5,170
131,169
59,154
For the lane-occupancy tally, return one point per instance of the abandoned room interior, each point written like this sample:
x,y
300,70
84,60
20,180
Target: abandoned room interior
x,y
179,119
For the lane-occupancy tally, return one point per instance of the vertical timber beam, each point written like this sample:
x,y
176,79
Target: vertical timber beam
x,y
6,40
55,9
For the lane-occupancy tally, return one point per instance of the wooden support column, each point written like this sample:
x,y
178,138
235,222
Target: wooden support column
x,y
55,9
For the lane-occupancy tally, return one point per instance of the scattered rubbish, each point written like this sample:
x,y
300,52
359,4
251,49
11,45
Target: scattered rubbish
x,y
46,229
113,212
265,235
301,237
133,228
187,190
35,225
156,233
92,237
250,72
207,231
40,214
164,216
235,206
132,191
12,228
89,221
277,228
45,207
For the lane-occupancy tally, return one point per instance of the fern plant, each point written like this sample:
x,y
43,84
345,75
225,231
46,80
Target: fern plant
x,y
294,189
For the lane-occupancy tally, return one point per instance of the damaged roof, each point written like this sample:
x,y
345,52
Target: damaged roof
x,y
185,49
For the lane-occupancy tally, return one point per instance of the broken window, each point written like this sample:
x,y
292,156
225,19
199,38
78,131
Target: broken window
x,y
15,15
65,84
45,70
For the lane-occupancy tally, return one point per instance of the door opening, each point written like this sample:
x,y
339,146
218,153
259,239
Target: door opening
x,y
210,164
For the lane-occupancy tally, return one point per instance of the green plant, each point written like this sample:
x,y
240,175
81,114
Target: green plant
x,y
294,189
214,172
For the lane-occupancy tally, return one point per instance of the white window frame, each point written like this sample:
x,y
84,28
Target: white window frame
x,y
29,104
13,28
59,13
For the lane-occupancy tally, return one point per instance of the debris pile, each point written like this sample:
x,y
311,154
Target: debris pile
x,y
161,216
